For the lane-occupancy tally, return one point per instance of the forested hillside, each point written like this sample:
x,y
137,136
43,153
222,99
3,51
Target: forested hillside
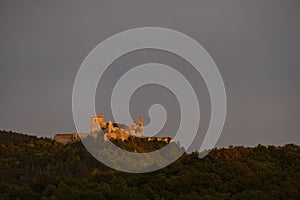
x,y
40,168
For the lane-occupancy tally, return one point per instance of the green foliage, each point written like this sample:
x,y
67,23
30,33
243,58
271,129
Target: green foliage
x,y
40,168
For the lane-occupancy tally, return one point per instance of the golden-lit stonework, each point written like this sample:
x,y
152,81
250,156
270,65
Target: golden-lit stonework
x,y
109,130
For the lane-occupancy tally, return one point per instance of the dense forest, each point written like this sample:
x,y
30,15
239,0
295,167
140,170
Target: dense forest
x,y
40,168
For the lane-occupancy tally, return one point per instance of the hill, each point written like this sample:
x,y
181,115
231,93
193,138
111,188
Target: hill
x,y
40,168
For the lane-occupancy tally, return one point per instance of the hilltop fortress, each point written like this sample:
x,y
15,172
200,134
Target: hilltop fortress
x,y
114,130
109,130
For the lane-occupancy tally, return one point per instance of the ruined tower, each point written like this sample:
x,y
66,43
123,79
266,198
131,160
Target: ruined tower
x,y
141,122
141,127
110,127
96,123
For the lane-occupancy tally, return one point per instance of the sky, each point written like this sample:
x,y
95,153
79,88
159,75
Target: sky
x,y
255,45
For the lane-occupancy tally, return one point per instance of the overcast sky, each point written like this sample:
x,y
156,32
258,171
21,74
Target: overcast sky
x,y
255,44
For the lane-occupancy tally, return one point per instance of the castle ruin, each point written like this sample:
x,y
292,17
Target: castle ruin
x,y
109,130
115,131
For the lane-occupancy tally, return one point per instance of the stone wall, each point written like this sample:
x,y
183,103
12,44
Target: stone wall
x,y
117,135
66,138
